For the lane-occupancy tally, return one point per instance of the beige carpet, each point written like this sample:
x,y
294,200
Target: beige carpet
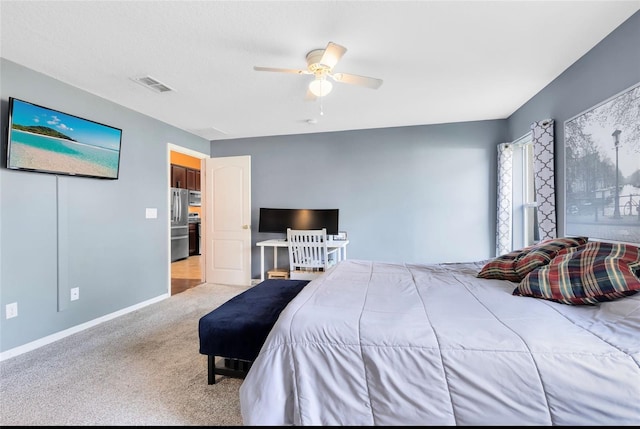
x,y
142,368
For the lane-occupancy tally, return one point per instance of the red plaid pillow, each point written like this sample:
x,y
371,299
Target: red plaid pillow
x,y
542,253
502,267
515,265
588,274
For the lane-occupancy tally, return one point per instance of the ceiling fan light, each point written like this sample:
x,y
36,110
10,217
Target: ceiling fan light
x,y
320,87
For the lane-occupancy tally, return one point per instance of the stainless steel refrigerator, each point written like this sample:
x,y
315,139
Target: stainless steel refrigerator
x,y
179,224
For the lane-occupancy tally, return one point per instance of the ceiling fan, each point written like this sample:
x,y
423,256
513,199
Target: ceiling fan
x,y
320,63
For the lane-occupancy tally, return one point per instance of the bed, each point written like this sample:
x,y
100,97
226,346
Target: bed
x,y
374,343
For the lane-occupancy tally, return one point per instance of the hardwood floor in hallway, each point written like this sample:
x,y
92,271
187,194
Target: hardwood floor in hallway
x,y
185,274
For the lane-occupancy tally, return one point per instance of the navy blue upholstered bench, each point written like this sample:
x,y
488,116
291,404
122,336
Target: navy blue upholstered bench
x,y
238,328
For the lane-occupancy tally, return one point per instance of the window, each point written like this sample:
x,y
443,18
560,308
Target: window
x,y
525,232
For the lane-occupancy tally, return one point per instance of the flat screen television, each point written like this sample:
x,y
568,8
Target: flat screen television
x,y
278,220
44,140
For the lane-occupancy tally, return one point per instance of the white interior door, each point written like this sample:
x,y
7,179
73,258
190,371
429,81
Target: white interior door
x,y
227,220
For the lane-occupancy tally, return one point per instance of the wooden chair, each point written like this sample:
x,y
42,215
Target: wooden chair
x,y
308,253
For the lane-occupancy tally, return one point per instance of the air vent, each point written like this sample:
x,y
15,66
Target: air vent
x,y
209,133
152,84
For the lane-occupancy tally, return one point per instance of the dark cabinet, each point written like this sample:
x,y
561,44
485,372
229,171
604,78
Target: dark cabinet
x,y
191,179
184,177
193,239
178,176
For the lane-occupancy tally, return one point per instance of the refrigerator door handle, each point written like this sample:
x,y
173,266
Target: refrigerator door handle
x,y
174,206
177,206
176,213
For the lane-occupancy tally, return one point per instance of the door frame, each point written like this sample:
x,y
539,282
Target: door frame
x,y
175,148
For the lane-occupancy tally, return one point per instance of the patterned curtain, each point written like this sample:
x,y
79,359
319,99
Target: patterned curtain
x,y
505,199
543,142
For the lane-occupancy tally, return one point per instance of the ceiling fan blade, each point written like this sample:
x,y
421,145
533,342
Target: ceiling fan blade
x,y
273,69
332,54
354,79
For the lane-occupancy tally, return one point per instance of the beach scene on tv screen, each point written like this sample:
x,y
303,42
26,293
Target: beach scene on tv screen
x,y
47,140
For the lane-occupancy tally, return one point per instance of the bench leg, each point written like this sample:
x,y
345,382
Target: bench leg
x,y
231,367
211,369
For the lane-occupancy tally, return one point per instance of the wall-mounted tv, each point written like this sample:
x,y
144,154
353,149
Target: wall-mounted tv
x,y
49,141
278,220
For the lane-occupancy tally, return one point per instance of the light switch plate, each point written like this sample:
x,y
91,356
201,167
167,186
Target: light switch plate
x,y
151,213
11,310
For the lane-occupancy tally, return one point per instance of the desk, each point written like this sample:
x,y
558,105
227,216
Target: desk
x,y
341,245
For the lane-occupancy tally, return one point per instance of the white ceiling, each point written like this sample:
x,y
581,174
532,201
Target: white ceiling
x,y
441,61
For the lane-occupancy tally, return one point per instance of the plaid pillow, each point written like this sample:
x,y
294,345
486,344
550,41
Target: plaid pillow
x,y
542,253
515,265
502,267
588,274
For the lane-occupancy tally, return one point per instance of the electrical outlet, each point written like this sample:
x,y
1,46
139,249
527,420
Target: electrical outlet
x,y
75,293
12,310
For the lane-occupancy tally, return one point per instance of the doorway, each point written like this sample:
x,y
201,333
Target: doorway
x,y
186,272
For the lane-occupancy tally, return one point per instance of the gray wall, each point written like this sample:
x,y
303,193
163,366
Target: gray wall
x,y
609,68
426,193
413,194
108,249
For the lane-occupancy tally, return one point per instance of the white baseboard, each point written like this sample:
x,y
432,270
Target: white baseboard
x,y
62,334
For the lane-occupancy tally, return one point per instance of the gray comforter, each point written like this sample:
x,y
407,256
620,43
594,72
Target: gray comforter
x,y
372,343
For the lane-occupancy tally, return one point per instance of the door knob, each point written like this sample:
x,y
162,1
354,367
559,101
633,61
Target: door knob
x,y
245,226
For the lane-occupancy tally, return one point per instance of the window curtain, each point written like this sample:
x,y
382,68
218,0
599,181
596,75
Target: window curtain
x,y
544,174
504,227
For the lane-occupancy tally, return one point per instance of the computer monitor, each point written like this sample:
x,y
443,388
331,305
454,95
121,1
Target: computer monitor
x,y
278,220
